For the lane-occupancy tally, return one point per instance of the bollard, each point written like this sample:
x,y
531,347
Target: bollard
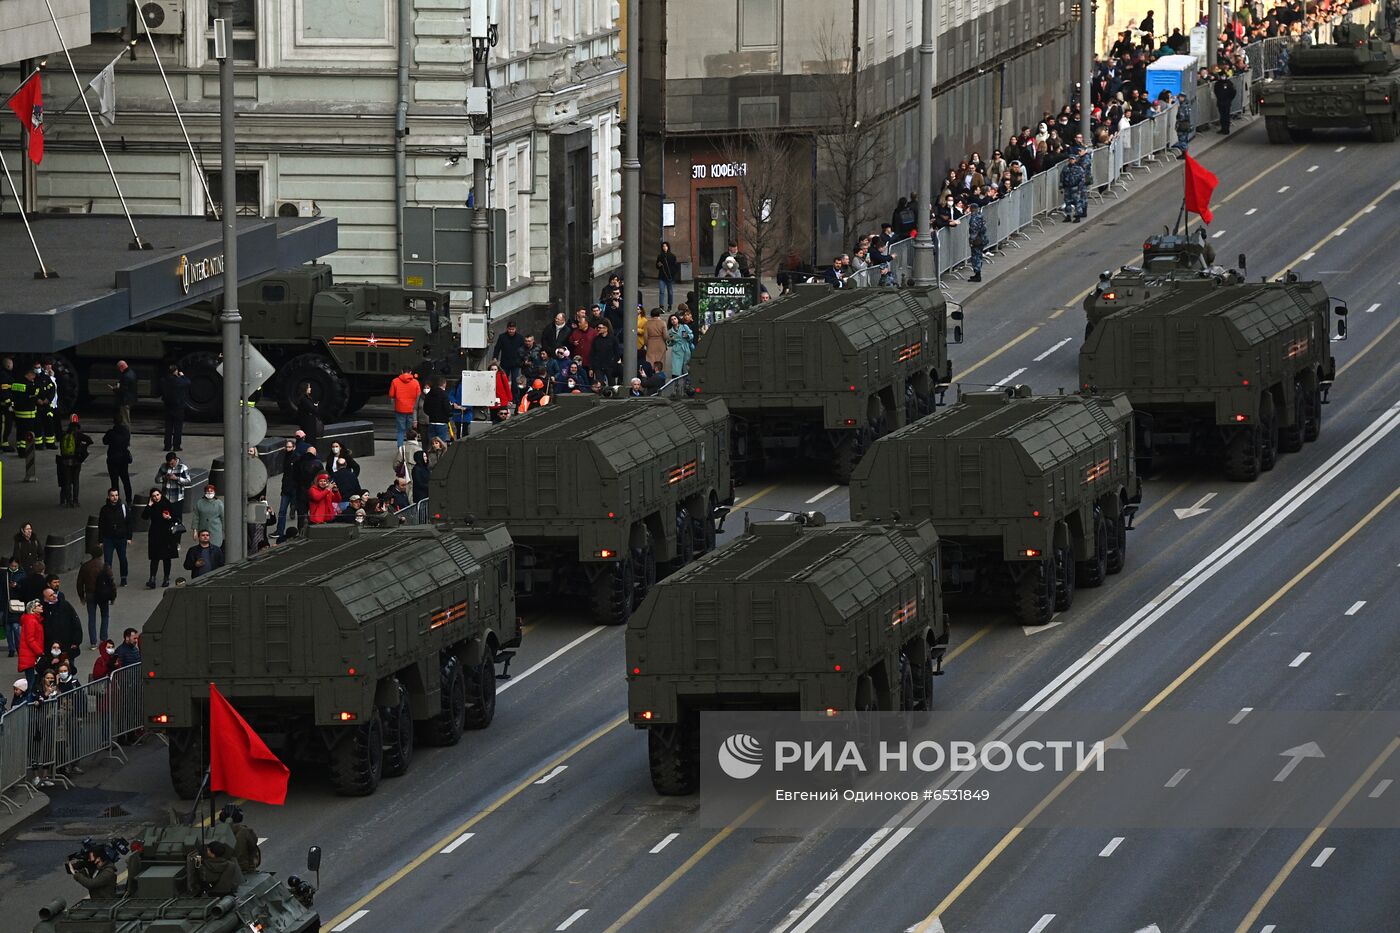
x,y
90,539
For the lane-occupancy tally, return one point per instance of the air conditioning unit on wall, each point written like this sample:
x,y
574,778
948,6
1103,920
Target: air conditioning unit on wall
x,y
164,17
300,208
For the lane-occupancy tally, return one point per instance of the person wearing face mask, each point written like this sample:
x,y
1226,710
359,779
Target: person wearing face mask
x,y
45,691
107,661
61,624
209,515
31,640
340,452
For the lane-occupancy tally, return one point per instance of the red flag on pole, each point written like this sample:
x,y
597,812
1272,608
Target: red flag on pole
x,y
1200,184
239,762
28,105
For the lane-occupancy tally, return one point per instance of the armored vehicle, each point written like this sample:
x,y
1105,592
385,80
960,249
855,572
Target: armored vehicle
x,y
1239,370
1169,260
822,372
1354,82
165,891
1031,495
600,495
792,615
343,647
348,341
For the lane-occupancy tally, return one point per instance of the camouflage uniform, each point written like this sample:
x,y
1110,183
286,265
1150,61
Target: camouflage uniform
x,y
1074,187
1184,121
977,240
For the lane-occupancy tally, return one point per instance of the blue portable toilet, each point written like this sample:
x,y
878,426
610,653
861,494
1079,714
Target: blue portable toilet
x,y
1175,73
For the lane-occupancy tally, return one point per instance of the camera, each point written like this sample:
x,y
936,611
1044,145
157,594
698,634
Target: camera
x,y
111,850
301,890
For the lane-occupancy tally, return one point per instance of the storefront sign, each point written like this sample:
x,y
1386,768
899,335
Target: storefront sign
x,y
719,170
720,299
192,273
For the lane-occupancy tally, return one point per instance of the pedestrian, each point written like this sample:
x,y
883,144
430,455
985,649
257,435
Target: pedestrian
x,y
47,381
556,335
288,487
605,355
209,515
1224,89
509,350
175,398
437,408
73,446
203,556
680,341
173,478
124,392
106,662
655,336
323,499
117,439
1071,184
129,651
404,392
163,536
308,468
14,603
28,550
1184,125
24,396
114,530
97,590
31,639
668,273
462,414
62,627
10,382
422,474
309,413
976,240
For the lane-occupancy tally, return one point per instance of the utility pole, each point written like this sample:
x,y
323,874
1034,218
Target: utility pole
x,y
1086,71
235,496
925,262
481,271
631,196
1212,32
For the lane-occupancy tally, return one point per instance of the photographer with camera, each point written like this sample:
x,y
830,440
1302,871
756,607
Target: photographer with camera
x,y
245,839
92,868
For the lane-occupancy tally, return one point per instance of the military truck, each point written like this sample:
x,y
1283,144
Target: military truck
x,y
164,891
1233,370
347,340
1031,495
1169,260
1354,82
820,373
600,495
788,616
344,647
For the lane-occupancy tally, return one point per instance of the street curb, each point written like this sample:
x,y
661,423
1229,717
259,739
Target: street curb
x,y
13,822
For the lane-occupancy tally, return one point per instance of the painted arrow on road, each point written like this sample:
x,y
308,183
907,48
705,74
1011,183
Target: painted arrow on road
x,y
1295,757
1198,509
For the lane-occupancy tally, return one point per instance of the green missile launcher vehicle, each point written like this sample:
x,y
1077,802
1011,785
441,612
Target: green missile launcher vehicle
x,y
1032,495
1354,82
601,496
343,648
792,615
1238,371
820,373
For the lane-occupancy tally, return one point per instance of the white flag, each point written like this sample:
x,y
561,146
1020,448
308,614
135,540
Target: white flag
x,y
105,85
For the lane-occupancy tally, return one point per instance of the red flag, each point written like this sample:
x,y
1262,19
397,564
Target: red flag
x,y
1200,184
28,105
239,762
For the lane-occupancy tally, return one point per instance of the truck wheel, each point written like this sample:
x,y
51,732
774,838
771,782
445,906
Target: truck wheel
x,y
1277,128
186,761
481,691
1242,455
922,672
328,387
1312,423
644,559
398,733
1383,129
906,683
1290,437
206,386
685,540
357,757
707,534
1064,579
845,457
356,401
1118,545
612,594
1035,593
911,403
446,727
1092,572
674,755
1268,441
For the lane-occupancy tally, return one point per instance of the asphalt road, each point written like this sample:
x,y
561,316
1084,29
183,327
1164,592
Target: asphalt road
x,y
547,819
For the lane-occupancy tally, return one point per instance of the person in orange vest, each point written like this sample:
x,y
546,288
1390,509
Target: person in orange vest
x,y
404,392
536,397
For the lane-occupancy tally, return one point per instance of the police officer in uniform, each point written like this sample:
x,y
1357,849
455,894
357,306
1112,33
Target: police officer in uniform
x,y
977,239
1072,187
1224,90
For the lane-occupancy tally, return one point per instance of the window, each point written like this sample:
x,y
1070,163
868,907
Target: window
x,y
247,185
244,38
759,24
274,292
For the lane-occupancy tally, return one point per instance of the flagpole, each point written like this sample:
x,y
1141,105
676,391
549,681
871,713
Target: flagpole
x,y
32,72
194,159
136,241
64,112
44,271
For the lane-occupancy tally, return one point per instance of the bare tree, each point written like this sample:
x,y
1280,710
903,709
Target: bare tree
x,y
774,189
849,137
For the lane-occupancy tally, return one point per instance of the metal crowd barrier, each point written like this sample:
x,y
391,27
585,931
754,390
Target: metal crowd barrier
x,y
54,734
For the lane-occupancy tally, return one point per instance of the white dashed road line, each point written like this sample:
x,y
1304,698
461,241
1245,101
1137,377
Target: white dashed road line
x,y
261,840
998,385
823,494
1176,778
1372,309
1355,607
1284,188
1380,788
1306,256
453,845
1042,923
1298,661
346,924
1112,846
1340,231
1314,168
1239,717
785,516
1053,349
664,843
1323,856
560,769
1268,929
572,917
1217,234
1340,149
502,687
1251,212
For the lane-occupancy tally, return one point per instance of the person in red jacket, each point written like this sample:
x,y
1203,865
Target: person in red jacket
x,y
404,392
325,500
504,394
31,639
106,662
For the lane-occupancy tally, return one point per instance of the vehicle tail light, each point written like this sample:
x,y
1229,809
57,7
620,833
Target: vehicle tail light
x,y
347,717
832,711
605,553
160,718
1241,419
1031,552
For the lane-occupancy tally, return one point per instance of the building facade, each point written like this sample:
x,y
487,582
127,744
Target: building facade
x,y
317,92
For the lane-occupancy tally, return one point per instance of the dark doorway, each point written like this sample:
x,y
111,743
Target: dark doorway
x,y
571,220
715,226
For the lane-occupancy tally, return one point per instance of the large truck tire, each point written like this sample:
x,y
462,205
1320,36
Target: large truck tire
x,y
1242,461
1092,572
446,727
328,386
206,386
1290,437
357,757
674,755
685,540
844,458
1383,129
1277,128
1035,593
1118,544
481,691
186,748
1268,440
1312,424
612,594
1064,579
398,733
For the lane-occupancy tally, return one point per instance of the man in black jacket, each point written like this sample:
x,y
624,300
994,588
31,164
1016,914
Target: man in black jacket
x,y
289,486
174,395
114,529
124,390
510,351
62,625
605,360
438,410
203,557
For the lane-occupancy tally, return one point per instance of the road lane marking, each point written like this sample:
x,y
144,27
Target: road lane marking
x,y
1306,845
784,517
1251,212
1112,846
1372,309
823,494
1245,187
455,843
1042,923
262,840
1052,349
1355,607
1323,856
495,805
1284,188
572,917
1348,222
558,770
1313,168
1298,661
1340,149
1268,929
664,843
1006,379
1056,313
1239,717
977,635
1380,788
346,923
517,678
1177,778
1217,234
1306,256
1000,350
1340,231
755,497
